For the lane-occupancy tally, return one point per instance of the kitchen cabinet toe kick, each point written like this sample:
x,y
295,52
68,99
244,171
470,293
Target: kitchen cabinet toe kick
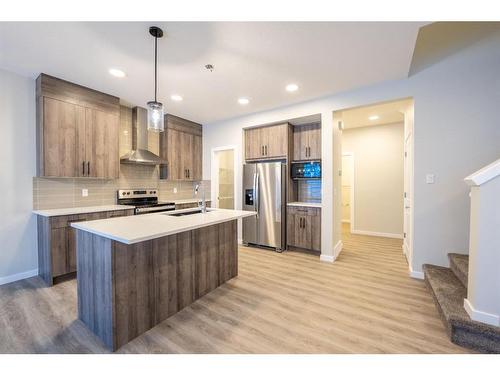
x,y
125,290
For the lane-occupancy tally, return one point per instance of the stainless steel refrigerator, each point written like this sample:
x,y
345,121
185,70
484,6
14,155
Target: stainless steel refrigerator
x,y
264,191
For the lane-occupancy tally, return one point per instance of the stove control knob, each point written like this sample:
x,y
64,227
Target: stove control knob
x,y
128,192
123,193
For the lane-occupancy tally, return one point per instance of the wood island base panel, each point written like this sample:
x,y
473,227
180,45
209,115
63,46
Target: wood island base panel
x,y
125,290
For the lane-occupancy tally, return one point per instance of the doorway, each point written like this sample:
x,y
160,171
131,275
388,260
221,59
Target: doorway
x,y
223,177
376,185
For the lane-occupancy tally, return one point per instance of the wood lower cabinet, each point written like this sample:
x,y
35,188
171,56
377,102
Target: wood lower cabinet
x,y
57,242
77,130
307,142
181,144
267,142
304,228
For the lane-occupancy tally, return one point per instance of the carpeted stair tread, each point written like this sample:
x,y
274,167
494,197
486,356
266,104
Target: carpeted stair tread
x,y
459,264
449,293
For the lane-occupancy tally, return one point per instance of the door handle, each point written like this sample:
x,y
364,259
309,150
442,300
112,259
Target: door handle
x,y
88,168
257,194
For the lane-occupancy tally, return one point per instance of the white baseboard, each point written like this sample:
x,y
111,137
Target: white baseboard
x,y
331,258
18,276
337,249
416,274
376,234
326,258
481,316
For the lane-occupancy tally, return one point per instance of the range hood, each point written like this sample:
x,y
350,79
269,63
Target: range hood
x,y
140,153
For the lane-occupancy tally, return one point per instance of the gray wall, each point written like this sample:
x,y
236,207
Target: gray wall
x,y
18,253
378,177
457,131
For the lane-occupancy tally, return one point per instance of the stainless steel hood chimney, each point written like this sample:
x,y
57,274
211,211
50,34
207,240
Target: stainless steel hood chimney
x,y
140,153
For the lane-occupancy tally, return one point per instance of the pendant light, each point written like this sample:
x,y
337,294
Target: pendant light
x,y
155,109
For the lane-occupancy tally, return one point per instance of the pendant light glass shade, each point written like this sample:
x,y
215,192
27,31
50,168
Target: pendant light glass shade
x,y
155,109
155,117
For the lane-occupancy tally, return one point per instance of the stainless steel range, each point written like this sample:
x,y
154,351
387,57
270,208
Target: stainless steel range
x,y
144,200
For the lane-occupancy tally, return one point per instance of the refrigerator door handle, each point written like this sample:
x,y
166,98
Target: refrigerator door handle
x,y
278,194
257,193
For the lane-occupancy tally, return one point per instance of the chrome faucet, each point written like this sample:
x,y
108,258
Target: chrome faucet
x,y
202,203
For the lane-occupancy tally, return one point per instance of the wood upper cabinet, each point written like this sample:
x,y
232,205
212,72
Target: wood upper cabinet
x,y
181,144
101,146
267,142
307,142
197,158
304,228
77,130
63,132
253,145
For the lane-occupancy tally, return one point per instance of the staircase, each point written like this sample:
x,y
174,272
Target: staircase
x,y
448,287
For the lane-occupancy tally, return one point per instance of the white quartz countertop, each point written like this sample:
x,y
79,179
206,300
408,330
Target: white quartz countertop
x,y
80,210
138,228
303,204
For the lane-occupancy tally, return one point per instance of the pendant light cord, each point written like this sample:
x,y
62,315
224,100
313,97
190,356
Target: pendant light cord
x,y
156,64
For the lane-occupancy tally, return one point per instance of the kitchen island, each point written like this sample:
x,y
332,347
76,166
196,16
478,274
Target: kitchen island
x,y
134,272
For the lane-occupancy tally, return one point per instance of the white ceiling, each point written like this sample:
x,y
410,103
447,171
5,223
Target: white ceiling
x,y
388,113
251,59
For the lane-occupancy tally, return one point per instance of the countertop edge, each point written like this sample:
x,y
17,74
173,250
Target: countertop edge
x,y
80,210
304,204
78,225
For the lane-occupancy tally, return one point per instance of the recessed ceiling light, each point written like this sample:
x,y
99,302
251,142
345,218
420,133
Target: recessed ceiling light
x,y
243,101
117,72
373,118
292,87
176,98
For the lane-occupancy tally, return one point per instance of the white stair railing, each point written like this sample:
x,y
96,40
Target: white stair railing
x,y
483,298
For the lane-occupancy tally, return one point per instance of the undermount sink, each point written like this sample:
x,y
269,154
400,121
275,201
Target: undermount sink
x,y
186,213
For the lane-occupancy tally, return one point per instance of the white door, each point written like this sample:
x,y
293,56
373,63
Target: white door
x,y
408,185
347,188
224,179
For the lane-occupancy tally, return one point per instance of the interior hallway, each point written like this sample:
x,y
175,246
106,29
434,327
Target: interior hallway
x,y
280,303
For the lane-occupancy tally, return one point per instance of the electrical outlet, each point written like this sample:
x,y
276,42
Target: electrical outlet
x,y
175,190
85,192
429,179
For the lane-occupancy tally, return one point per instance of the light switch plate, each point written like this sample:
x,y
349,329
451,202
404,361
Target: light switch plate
x,y
175,190
429,179
85,192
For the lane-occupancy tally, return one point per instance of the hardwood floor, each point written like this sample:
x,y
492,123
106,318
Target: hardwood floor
x,y
280,303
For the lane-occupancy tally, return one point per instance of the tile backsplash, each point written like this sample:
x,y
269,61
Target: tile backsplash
x,y
67,192
309,191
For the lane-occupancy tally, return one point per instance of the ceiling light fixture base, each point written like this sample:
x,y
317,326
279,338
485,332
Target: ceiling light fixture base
x,y
156,31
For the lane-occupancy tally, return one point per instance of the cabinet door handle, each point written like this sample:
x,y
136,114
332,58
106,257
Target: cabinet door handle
x,y
83,168
88,168
189,173
266,150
